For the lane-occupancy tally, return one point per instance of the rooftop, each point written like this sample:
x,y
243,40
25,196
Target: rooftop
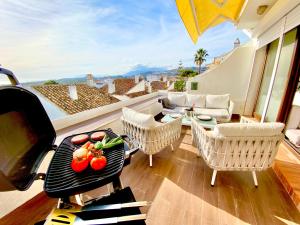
x,y
158,85
88,97
123,85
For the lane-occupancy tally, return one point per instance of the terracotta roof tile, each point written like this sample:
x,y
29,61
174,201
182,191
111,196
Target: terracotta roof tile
x,y
88,97
158,85
123,85
137,94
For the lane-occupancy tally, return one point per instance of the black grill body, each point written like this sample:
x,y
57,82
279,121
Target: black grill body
x,y
61,181
26,135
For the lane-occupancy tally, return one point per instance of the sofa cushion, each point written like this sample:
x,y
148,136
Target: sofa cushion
x,y
177,98
294,136
248,129
217,113
198,100
217,101
137,118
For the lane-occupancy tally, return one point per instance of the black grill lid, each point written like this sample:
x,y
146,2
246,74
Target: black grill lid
x,y
26,135
61,181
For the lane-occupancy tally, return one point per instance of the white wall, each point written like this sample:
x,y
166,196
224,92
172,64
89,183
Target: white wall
x,y
231,76
138,87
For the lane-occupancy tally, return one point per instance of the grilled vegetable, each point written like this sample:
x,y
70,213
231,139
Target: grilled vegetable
x,y
106,143
80,153
98,163
98,145
112,144
105,140
78,165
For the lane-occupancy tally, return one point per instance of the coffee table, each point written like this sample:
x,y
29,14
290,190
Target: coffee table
x,y
186,121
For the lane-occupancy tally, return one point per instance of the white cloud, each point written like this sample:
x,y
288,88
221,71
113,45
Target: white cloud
x,y
53,39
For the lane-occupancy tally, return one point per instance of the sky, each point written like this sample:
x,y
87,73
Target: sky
x,y
55,39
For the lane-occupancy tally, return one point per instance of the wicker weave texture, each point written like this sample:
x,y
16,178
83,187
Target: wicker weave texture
x,y
153,140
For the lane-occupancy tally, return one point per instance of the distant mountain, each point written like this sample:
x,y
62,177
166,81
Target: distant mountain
x,y
142,69
137,70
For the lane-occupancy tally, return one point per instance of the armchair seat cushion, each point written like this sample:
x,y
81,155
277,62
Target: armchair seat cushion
x,y
248,129
294,136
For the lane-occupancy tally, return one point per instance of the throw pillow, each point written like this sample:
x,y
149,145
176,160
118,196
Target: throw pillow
x,y
177,99
217,101
198,100
167,104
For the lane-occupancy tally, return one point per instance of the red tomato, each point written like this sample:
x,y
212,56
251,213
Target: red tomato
x,y
78,165
98,163
90,156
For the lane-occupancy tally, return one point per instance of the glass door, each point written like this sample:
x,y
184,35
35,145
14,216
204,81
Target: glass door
x,y
282,75
266,78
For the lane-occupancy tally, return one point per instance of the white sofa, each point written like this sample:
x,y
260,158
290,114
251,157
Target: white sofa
x,y
218,106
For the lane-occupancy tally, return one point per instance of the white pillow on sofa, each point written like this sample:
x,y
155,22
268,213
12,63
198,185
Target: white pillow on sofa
x,y
140,119
177,98
217,101
198,100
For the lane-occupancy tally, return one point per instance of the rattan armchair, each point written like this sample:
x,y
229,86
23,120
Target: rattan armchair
x,y
153,140
238,152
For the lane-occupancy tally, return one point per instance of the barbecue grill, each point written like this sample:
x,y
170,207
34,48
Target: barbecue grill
x,y
27,135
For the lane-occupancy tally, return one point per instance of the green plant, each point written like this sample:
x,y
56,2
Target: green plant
x,y
179,85
49,82
186,73
194,86
200,57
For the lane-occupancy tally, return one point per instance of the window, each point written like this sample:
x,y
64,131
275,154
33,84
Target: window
x,y
282,75
194,86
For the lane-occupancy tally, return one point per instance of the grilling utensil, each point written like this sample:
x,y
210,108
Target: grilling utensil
x,y
67,216
60,216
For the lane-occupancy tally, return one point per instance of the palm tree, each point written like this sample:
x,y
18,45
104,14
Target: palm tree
x,y
200,57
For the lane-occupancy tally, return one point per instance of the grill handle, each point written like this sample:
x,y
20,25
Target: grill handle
x,y
130,152
12,78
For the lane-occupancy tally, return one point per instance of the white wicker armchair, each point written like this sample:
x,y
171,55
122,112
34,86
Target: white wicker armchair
x,y
238,146
154,139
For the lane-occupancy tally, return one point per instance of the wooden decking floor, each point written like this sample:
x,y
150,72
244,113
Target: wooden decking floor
x,y
178,185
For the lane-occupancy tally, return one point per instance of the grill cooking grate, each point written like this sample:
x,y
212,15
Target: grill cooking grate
x,y
61,181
